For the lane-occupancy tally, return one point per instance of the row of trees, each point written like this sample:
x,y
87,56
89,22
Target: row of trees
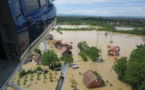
x,y
132,71
91,52
101,21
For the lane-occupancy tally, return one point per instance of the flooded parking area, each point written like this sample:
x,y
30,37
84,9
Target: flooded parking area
x,y
126,42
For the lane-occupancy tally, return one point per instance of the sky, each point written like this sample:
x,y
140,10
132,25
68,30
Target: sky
x,y
133,8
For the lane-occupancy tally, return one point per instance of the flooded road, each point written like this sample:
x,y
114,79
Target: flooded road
x,y
126,42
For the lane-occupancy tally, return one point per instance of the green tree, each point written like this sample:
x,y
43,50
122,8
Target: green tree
x,y
67,58
134,70
82,46
84,57
93,53
120,67
36,50
49,58
135,74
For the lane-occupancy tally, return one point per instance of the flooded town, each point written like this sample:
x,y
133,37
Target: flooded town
x,y
126,42
72,45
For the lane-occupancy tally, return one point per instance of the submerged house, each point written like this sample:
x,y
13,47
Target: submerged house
x,y
57,44
65,51
91,80
49,37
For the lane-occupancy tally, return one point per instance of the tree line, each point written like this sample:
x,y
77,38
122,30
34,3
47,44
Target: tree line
x,y
132,70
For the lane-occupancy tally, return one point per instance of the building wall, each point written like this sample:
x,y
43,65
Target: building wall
x,y
95,83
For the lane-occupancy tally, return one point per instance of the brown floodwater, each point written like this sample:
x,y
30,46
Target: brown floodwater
x,y
126,42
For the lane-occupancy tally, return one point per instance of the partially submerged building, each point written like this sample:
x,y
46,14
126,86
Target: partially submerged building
x,y
57,44
49,37
35,57
64,51
91,79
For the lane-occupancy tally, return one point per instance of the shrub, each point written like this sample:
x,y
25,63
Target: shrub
x,y
22,73
39,69
30,72
37,50
80,73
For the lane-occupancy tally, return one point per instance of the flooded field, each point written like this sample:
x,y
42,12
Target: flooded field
x,y
96,38
73,26
126,42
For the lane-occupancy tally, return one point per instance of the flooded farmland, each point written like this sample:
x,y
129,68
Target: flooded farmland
x,y
126,42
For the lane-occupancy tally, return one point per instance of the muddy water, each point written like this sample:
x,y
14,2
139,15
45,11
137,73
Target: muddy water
x,y
124,28
96,38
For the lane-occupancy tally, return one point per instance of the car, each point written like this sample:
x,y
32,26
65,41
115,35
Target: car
x,y
75,66
39,72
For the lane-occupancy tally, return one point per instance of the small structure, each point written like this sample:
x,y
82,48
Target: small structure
x,y
57,44
36,58
49,37
65,51
91,79
30,57
113,51
64,44
67,45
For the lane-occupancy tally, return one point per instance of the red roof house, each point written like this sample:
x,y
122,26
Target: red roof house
x,y
64,51
91,80
57,44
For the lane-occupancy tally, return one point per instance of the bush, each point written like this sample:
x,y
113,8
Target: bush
x,y
37,50
38,69
30,72
22,73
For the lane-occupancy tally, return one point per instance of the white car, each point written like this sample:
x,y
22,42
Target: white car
x,y
75,66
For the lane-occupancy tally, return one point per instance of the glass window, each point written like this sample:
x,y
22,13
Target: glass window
x,y
31,5
43,2
17,9
48,3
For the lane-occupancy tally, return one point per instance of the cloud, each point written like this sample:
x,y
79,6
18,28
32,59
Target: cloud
x,y
94,1
77,1
101,7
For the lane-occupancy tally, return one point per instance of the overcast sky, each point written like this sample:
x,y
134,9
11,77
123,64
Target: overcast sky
x,y
101,7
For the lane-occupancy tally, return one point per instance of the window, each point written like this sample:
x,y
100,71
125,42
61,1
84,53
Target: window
x,y
48,2
43,2
31,5
17,9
